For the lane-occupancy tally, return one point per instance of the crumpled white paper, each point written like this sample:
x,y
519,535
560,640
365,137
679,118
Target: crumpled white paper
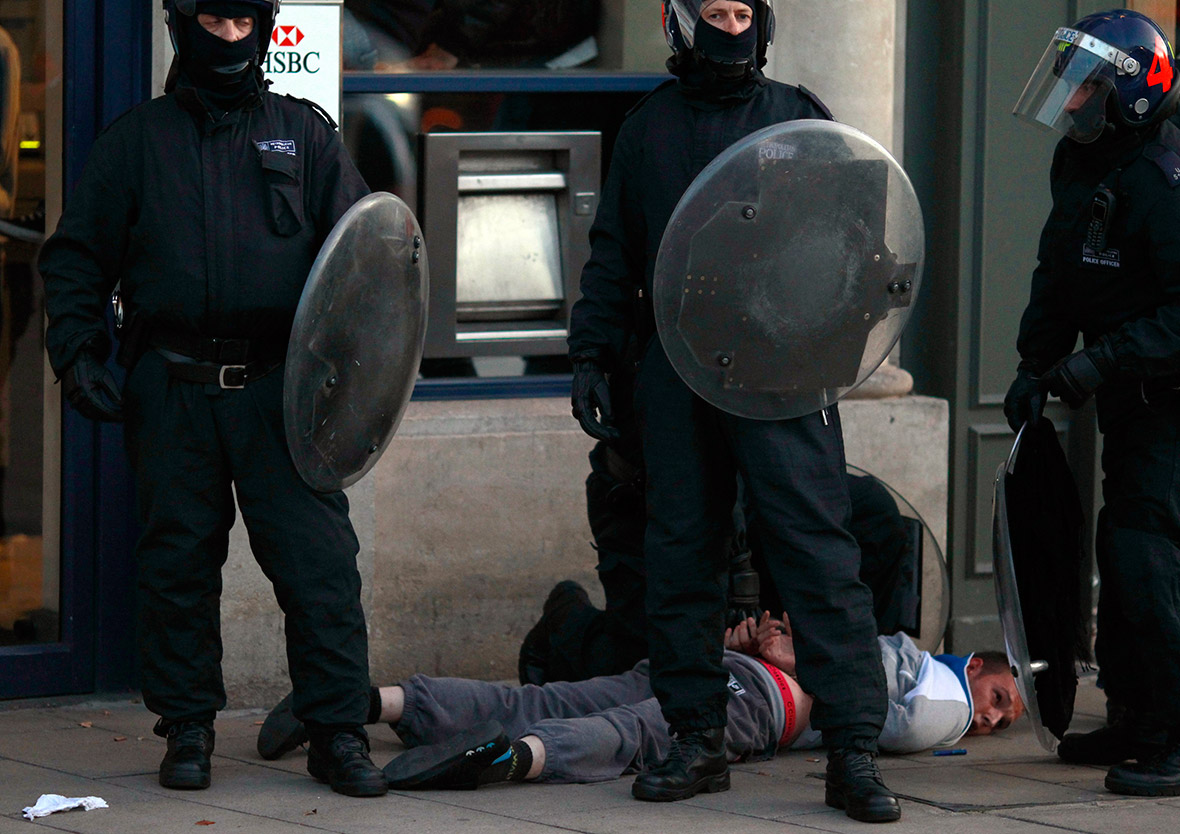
x,y
50,803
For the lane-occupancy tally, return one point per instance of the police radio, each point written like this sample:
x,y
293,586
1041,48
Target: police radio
x,y
1101,214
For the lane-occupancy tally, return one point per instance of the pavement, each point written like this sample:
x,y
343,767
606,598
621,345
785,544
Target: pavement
x,y
1006,783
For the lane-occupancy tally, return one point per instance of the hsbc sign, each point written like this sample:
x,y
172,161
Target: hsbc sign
x,y
304,57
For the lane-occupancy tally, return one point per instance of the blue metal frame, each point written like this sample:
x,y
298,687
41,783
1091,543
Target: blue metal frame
x,y
95,649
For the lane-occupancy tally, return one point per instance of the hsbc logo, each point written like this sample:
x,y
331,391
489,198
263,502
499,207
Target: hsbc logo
x,y
286,36
287,60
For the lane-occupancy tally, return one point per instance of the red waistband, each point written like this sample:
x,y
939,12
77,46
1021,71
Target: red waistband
x,y
784,688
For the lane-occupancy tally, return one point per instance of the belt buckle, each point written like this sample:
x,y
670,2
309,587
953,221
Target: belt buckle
x,y
221,376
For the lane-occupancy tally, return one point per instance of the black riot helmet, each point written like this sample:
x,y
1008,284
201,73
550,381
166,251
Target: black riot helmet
x,y
265,13
682,16
1111,69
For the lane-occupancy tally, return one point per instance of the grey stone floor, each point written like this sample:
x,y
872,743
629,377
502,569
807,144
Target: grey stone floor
x,y
1004,784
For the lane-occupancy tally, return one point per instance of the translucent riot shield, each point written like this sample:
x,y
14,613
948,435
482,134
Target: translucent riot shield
x,y
789,269
1037,556
356,343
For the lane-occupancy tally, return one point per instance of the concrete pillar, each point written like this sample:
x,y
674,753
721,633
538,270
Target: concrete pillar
x,y
844,51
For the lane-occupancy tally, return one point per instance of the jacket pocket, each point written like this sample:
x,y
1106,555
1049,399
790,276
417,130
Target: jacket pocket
x,y
283,180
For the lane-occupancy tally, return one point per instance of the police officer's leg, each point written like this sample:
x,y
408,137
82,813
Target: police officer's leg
x,y
1141,540
690,494
794,476
186,509
305,544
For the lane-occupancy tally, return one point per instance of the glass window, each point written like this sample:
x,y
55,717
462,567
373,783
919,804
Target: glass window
x,y
29,606
440,35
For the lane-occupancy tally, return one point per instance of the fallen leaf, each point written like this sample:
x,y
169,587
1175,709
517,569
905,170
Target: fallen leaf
x,y
206,822
86,724
120,738
312,812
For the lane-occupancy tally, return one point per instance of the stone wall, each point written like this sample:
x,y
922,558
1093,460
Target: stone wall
x,y
478,508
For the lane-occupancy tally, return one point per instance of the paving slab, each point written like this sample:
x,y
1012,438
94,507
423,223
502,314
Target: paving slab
x,y
1106,817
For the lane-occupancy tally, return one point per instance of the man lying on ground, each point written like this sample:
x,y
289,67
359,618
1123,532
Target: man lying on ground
x,y
465,733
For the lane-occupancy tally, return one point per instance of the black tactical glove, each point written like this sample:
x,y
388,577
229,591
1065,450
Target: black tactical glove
x,y
1078,375
591,398
1026,398
90,387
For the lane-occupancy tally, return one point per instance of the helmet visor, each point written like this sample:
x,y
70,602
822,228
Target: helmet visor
x,y
1067,91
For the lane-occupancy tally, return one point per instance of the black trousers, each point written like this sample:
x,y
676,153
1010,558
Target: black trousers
x,y
794,475
1138,553
191,447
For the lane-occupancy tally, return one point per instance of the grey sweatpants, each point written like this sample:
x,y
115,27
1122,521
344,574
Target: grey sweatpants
x,y
593,730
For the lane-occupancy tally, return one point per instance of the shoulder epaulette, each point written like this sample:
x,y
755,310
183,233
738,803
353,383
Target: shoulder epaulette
x,y
814,99
323,114
643,100
1165,153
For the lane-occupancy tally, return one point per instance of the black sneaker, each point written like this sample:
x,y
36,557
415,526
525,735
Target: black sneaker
x,y
281,732
341,758
454,764
1158,775
695,763
186,764
853,784
533,663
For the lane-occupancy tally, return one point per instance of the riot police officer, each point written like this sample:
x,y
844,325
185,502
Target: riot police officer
x,y
209,205
793,469
1109,270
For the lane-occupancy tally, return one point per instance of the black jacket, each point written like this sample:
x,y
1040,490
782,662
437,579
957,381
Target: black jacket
x,y
1130,291
662,146
212,227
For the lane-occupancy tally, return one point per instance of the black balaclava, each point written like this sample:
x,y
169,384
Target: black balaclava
x,y
224,73
720,67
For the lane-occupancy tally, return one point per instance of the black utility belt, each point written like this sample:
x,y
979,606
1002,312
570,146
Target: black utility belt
x,y
223,376
217,351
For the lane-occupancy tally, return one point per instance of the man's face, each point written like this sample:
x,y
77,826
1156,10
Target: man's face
x,y
227,28
997,701
1080,96
728,15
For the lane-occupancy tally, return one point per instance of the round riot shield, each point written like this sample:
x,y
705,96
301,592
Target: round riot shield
x,y
789,269
356,343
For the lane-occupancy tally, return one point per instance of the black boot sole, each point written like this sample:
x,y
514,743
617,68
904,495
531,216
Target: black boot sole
x,y
431,766
651,793
1130,789
888,813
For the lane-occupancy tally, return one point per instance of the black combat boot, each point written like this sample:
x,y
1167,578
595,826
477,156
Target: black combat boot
x,y
533,662
695,763
1119,741
853,783
186,764
1108,746
340,757
1157,775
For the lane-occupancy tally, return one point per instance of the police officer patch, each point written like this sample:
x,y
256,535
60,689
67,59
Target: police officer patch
x,y
286,146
